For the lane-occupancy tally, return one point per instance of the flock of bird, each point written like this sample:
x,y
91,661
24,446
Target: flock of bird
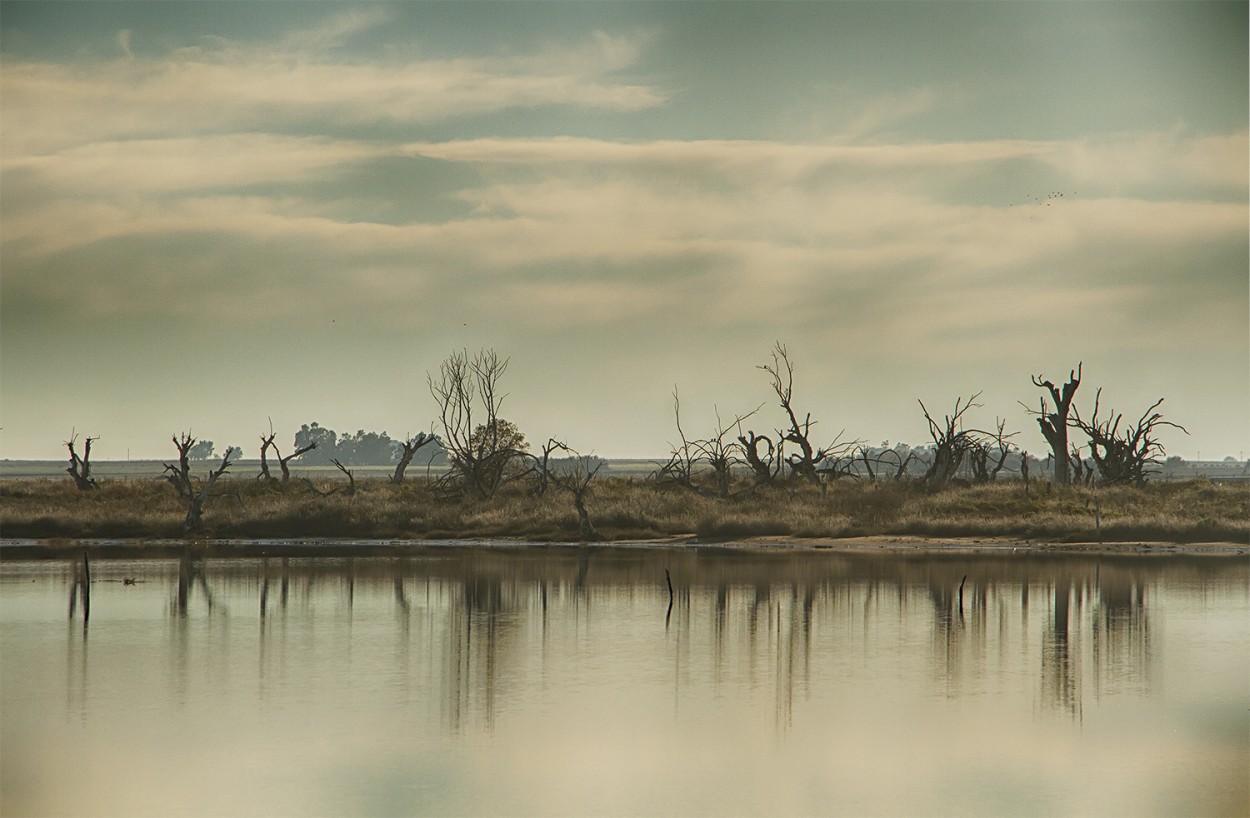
x,y
1038,200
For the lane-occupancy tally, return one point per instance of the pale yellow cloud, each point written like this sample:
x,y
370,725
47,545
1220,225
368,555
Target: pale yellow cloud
x,y
221,86
121,168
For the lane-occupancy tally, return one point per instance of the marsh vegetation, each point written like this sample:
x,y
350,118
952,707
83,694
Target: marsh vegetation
x,y
788,481
632,508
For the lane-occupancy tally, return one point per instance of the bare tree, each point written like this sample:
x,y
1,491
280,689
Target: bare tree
x,y
351,488
282,461
951,443
989,453
576,481
1054,423
864,454
180,476
717,454
766,465
721,454
266,443
409,448
80,467
1124,455
197,502
900,463
806,462
679,470
1082,471
480,444
542,465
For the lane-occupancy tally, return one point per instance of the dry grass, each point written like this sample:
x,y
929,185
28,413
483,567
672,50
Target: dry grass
x,y
621,508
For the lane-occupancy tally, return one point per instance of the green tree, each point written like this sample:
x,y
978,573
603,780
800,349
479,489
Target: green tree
x,y
325,440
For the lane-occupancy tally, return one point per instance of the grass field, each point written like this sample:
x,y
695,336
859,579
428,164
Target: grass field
x,y
625,508
114,469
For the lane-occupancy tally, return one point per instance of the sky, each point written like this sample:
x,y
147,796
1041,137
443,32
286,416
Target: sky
x,y
218,216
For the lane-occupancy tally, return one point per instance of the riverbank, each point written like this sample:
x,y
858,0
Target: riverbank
x,y
625,511
333,548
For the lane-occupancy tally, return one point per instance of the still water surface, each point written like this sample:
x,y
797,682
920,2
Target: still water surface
x,y
485,681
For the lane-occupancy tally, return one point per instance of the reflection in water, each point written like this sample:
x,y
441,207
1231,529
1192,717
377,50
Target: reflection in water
x,y
762,612
481,642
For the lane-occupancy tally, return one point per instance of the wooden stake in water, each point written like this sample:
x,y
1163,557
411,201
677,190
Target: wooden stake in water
x,y
86,588
669,580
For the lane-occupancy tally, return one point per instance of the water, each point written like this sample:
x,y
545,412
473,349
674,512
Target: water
x,y
489,681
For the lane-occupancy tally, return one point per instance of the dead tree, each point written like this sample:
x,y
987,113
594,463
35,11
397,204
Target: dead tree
x,y
717,454
900,463
989,453
679,470
480,444
351,488
721,455
542,466
806,462
861,454
266,443
842,465
1124,456
197,502
179,476
409,448
1054,423
1082,472
576,482
80,467
282,461
951,443
765,466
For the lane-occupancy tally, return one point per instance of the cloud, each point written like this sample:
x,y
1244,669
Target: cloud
x,y
607,231
333,31
188,164
123,41
229,188
889,109
220,86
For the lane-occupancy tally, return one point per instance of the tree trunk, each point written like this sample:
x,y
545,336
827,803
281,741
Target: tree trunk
x,y
1054,425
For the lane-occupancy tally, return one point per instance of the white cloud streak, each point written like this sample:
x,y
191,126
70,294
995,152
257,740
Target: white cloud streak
x,y
221,86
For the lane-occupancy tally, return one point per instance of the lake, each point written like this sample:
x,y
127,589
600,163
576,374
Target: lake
x,y
487,680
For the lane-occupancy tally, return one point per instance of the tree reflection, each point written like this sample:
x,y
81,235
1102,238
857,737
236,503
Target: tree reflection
x,y
190,576
1059,671
493,620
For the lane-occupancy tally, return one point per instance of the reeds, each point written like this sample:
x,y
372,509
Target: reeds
x,y
625,508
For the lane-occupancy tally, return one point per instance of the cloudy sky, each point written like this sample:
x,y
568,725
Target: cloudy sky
x,y
216,214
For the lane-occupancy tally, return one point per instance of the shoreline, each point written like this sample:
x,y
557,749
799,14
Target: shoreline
x,y
27,549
